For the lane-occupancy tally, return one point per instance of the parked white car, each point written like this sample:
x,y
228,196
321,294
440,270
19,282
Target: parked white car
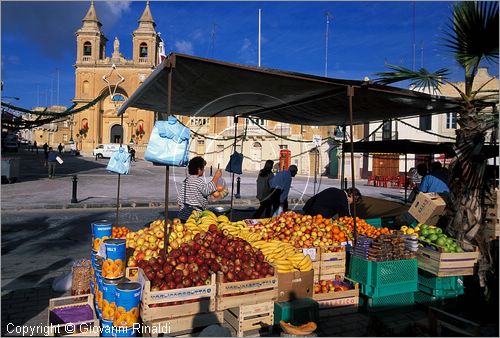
x,y
106,150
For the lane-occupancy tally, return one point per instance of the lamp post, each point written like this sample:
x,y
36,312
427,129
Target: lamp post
x,y
132,125
72,123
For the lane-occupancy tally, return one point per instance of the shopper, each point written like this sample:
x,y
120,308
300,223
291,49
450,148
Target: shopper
x,y
60,148
45,153
332,202
264,190
132,154
195,191
280,184
52,161
436,181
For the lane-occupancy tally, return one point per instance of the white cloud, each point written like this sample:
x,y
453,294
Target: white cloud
x,y
184,47
247,51
197,35
118,7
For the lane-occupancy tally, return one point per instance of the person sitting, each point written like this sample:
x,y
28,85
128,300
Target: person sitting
x,y
332,202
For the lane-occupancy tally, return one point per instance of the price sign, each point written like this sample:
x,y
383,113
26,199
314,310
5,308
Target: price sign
x,y
311,252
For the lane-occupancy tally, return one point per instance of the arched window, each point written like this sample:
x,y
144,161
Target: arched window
x,y
87,48
118,98
143,50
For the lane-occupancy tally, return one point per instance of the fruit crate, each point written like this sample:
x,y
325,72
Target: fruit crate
x,y
332,262
86,328
338,302
200,299
445,264
452,283
250,320
250,292
180,326
390,302
383,274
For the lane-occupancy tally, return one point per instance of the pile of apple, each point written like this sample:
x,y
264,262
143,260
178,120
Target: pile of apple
x,y
434,238
148,242
325,286
194,261
301,231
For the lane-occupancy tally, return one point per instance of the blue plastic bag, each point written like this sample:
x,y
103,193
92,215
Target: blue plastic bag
x,y
169,143
120,161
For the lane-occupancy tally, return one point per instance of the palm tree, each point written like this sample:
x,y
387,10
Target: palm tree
x,y
472,38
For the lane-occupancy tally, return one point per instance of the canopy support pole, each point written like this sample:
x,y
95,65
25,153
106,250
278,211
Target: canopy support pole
x,y
232,174
343,159
350,94
166,227
405,181
117,218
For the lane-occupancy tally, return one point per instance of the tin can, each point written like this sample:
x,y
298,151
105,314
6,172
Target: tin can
x,y
113,266
101,230
108,298
128,298
122,331
98,287
106,328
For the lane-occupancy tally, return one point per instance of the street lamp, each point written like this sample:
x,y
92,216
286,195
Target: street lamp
x,y
72,123
132,125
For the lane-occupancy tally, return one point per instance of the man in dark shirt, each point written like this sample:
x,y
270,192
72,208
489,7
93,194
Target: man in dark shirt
x,y
332,202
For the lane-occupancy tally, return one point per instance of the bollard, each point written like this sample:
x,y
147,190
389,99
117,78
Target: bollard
x,y
96,158
238,182
211,171
345,183
75,182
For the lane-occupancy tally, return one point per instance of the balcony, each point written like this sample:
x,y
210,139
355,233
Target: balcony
x,y
253,130
144,60
87,58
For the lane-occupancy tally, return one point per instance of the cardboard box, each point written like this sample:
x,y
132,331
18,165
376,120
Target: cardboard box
x,y
427,208
295,285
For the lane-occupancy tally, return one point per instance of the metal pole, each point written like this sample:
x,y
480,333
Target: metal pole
x,y
232,179
119,179
406,177
315,169
238,187
343,158
75,185
350,93
166,228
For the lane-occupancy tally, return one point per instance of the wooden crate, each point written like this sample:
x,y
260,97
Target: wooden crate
x,y
180,326
444,264
202,298
332,262
255,291
250,319
88,328
339,302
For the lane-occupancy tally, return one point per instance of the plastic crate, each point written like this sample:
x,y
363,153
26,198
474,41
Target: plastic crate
x,y
452,283
380,274
394,289
375,222
390,302
297,312
443,293
427,299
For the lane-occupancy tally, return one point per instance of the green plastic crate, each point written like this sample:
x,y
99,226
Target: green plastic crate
x,y
297,312
390,290
376,222
427,299
443,293
381,274
390,302
453,283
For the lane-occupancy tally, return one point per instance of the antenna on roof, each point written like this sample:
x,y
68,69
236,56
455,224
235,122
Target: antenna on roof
x,y
422,54
413,29
328,16
259,36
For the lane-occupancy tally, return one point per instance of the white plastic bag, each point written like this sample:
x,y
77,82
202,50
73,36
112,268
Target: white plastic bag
x,y
278,211
63,282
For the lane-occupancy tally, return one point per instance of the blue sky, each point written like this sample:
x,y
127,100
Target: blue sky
x,y
38,38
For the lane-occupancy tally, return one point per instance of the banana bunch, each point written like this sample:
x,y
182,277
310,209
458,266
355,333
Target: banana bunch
x,y
200,221
283,256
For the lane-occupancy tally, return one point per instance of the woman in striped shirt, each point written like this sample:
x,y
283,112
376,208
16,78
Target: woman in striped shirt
x,y
195,191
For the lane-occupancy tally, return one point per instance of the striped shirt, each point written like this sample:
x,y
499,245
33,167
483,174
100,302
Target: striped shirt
x,y
197,192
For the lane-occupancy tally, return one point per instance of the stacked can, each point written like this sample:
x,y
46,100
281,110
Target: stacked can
x,y
128,298
101,230
109,305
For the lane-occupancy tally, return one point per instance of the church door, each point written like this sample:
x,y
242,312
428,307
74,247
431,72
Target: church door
x,y
116,133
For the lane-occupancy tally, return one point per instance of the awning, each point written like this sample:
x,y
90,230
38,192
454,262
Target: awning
x,y
209,88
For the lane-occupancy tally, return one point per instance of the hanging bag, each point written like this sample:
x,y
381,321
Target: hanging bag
x,y
119,162
235,163
169,143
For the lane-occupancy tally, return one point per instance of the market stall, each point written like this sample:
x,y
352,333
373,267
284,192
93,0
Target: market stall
x,y
248,273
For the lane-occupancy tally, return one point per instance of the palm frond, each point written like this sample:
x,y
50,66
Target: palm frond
x,y
472,34
422,79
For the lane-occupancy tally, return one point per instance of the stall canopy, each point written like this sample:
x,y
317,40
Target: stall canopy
x,y
412,147
209,88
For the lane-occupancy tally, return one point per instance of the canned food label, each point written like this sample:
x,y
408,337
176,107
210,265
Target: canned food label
x,y
114,265
108,302
128,298
106,328
121,331
100,231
